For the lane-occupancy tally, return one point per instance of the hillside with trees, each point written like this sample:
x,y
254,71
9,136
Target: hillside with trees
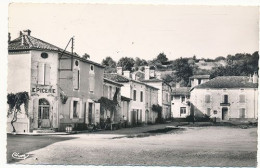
x,y
181,69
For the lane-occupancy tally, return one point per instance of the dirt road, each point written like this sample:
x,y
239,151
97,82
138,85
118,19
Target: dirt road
x,y
200,146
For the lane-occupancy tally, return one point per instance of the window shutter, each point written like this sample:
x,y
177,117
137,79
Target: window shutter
x,y
97,112
80,109
75,79
91,82
41,73
47,74
71,109
87,111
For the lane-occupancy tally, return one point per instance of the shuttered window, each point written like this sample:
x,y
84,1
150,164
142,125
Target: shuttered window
x,y
91,83
208,111
207,98
242,98
141,96
43,75
76,76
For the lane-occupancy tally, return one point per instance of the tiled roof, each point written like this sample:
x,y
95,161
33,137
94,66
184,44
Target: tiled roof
x,y
112,82
152,80
116,77
181,91
200,77
31,42
228,82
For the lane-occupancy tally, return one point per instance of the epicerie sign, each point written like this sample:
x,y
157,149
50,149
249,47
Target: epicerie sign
x,y
43,90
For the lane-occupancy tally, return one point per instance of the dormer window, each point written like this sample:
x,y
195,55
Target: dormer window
x,y
76,63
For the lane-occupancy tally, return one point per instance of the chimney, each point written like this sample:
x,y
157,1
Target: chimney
x,y
119,70
27,32
133,76
147,73
21,33
177,85
127,74
158,75
255,78
22,40
9,37
250,79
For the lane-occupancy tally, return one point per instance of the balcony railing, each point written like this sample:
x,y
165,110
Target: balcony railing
x,y
225,104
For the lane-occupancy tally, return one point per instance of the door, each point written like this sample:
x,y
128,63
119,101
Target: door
x,y
44,114
90,108
224,113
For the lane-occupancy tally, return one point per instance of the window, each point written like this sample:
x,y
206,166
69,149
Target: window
x,y
182,98
242,98
199,81
208,111
75,113
207,98
134,95
242,112
43,74
225,100
76,76
183,110
215,112
167,99
141,96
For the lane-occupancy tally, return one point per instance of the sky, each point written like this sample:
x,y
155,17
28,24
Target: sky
x,y
119,30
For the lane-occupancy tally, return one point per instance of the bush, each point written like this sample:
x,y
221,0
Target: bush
x,y
203,118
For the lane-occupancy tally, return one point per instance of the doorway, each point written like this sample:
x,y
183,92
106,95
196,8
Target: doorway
x,y
90,109
224,113
44,114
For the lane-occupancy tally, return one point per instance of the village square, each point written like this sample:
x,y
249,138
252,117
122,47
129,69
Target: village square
x,y
64,108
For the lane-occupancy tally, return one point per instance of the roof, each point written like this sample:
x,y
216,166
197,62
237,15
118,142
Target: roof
x,y
123,98
152,80
181,91
112,82
200,77
122,79
116,77
32,43
228,82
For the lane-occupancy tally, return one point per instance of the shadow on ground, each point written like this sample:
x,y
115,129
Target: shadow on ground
x,y
23,144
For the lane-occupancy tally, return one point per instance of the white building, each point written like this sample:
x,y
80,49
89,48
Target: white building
x,y
226,98
198,79
180,102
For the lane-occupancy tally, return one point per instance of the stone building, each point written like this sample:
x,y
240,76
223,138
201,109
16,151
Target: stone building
x,y
63,87
226,98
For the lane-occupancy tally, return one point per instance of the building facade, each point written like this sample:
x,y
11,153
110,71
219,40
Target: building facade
x,y
226,98
180,102
164,92
198,79
112,91
63,88
137,92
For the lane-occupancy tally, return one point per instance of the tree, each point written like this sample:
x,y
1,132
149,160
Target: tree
x,y
86,56
161,58
110,64
126,63
183,70
140,62
14,102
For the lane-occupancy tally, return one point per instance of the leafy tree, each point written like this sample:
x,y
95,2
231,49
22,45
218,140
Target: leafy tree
x,y
126,63
14,102
183,70
110,64
162,58
140,62
86,56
